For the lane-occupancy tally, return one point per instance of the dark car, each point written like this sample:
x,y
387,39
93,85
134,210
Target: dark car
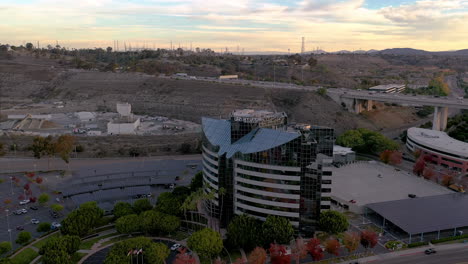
x,y
412,195
177,178
20,228
33,208
430,251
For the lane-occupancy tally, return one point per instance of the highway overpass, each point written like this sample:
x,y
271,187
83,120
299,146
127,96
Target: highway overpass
x,y
358,101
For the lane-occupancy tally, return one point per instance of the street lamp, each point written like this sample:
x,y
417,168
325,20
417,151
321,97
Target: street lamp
x,y
11,185
8,225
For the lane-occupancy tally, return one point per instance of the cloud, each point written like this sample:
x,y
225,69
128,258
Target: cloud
x,y
264,24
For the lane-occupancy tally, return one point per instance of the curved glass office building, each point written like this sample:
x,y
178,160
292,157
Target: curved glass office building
x,y
256,164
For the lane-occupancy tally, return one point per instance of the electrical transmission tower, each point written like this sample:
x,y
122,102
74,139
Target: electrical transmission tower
x,y
303,46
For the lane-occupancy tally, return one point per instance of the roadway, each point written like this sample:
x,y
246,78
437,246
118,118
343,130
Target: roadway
x,y
449,256
399,98
415,100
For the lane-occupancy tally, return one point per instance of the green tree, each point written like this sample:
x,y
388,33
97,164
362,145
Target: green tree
x,y
366,141
122,209
244,232
80,221
57,207
152,252
43,227
56,256
128,224
168,203
43,146
2,151
322,91
350,139
156,223
277,229
333,222
43,198
59,249
4,247
197,181
23,237
29,46
142,205
206,242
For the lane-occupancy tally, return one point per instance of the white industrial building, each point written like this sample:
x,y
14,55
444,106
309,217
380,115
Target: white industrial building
x,y
126,123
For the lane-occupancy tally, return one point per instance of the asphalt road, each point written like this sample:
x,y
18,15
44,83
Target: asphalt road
x,y
30,164
451,256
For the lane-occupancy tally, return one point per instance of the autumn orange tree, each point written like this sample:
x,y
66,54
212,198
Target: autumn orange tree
x,y
257,256
428,173
369,239
298,249
332,246
447,180
278,254
419,166
351,241
314,249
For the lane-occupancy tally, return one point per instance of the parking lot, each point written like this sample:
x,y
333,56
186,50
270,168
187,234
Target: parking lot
x,y
12,192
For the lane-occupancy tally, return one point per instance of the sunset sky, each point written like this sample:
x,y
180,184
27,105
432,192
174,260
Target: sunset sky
x,y
268,25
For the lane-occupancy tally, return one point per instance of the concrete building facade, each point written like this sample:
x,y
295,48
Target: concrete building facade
x,y
256,164
444,150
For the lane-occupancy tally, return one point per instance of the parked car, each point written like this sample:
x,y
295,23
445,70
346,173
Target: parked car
x,y
17,212
430,251
177,178
175,247
171,186
34,221
33,208
20,228
55,225
23,202
23,211
412,195
57,199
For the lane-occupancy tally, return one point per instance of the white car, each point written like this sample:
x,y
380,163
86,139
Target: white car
x,y
23,211
24,202
55,225
175,247
34,221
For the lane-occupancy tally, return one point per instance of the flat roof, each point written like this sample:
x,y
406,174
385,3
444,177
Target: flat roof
x,y
360,181
439,141
426,214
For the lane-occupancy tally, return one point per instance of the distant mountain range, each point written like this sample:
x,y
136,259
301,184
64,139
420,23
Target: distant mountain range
x,y
395,51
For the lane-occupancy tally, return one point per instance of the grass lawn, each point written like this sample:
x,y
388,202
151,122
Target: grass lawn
x,y
39,244
90,242
77,256
25,257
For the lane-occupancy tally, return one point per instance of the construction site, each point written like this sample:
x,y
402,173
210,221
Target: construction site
x,y
122,122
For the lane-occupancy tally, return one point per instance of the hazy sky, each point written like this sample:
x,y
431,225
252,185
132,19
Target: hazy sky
x,y
266,25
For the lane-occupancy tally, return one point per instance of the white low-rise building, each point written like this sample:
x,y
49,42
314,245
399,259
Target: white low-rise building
x,y
118,127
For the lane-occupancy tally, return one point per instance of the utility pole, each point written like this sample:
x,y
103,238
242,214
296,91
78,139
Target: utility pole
x,y
303,46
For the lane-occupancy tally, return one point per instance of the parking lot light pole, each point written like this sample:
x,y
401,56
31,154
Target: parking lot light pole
x,y
8,225
11,185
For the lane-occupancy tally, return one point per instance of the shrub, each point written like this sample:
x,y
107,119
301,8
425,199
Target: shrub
x,y
445,239
417,244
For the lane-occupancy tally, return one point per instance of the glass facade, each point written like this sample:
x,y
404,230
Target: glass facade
x,y
266,167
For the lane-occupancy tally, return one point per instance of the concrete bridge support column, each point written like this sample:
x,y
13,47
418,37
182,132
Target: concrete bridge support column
x,y
443,118
369,105
440,118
